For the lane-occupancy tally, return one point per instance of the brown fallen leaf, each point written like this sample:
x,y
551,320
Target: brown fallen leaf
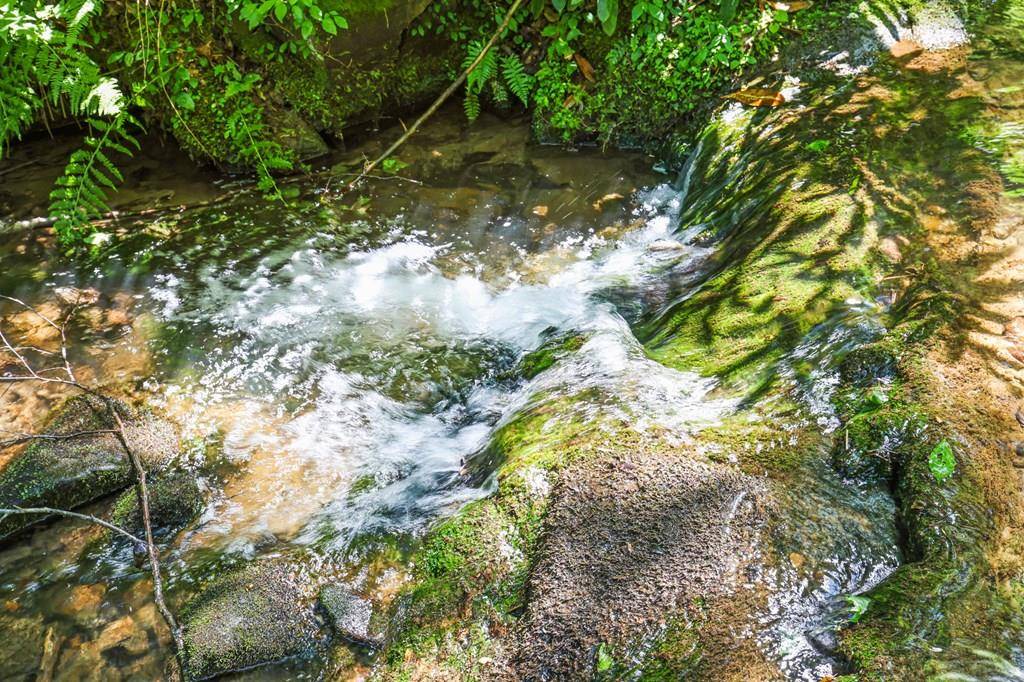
x,y
586,68
794,6
569,101
1014,328
541,211
757,97
599,204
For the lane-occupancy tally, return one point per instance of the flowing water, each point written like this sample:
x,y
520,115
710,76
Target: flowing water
x,y
337,364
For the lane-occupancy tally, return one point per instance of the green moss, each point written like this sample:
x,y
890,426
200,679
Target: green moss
x,y
249,617
549,353
174,500
769,293
778,438
675,655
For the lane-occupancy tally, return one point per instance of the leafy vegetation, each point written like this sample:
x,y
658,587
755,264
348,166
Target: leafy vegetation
x,y
616,73
54,65
213,74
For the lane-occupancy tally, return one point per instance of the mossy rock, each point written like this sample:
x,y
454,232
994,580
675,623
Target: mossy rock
x,y
22,648
66,474
550,352
253,616
175,499
351,616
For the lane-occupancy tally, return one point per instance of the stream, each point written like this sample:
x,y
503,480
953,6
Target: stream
x,y
340,363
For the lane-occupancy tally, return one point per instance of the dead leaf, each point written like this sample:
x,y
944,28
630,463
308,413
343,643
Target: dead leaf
x,y
569,101
586,68
614,196
436,154
794,6
758,97
550,14
541,211
1014,328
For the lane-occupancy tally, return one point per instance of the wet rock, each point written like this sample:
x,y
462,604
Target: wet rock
x,y
69,473
251,617
22,647
293,132
890,249
554,348
175,499
83,603
350,615
124,634
866,365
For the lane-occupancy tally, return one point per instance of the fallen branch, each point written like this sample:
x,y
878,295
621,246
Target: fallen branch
x,y
122,436
28,437
442,97
48,511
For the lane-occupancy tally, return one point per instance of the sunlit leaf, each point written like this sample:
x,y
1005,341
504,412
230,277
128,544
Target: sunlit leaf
x,y
942,461
858,606
794,6
758,97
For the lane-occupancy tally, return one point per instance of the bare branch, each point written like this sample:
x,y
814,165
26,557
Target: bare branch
x,y
442,97
27,437
48,511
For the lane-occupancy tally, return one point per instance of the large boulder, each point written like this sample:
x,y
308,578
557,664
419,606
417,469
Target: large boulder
x,y
250,617
69,473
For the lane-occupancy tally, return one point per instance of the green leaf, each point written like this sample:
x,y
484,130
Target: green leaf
x,y
280,11
329,27
858,606
605,660
875,398
727,10
942,461
818,146
392,165
559,5
185,101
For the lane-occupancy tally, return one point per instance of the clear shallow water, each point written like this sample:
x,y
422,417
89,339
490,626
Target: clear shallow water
x,y
344,361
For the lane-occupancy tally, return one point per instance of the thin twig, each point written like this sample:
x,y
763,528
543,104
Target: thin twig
x,y
442,97
48,511
154,560
26,437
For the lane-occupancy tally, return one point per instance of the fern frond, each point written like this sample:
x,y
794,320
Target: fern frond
x,y
484,71
471,105
518,81
80,194
499,92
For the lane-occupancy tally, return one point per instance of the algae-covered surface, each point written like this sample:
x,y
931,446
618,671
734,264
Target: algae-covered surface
x,y
514,412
